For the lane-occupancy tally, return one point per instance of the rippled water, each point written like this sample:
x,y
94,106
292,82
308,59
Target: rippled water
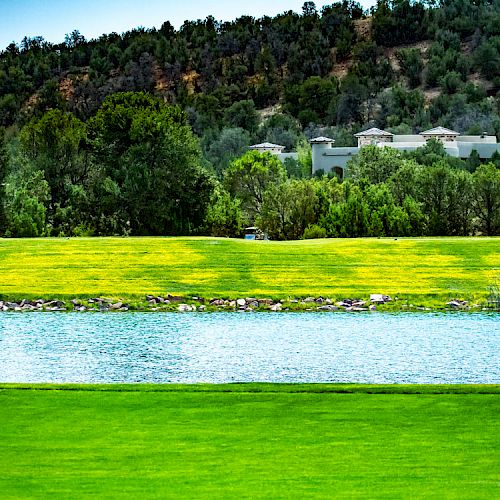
x,y
227,347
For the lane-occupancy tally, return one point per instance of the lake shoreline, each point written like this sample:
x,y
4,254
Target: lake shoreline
x,y
264,387
180,304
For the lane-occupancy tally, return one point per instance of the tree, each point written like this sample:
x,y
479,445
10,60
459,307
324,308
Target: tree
x,y
230,144
288,209
473,161
224,216
374,164
26,198
242,114
410,61
445,193
56,144
149,153
249,177
4,159
486,182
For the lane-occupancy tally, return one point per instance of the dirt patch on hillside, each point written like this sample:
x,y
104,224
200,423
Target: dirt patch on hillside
x,y
363,28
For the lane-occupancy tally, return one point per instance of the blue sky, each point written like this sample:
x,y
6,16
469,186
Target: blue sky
x,y
52,19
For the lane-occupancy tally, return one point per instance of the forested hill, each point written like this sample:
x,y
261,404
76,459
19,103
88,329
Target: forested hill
x,y
147,133
405,65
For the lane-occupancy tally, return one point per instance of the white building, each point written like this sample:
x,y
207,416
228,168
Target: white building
x,y
328,158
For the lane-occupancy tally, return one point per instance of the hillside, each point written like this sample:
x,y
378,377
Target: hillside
x,y
330,68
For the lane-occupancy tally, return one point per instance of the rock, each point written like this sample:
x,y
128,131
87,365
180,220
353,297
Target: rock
x,y
266,302
152,302
344,303
358,303
276,307
116,306
241,302
319,300
373,307
253,304
232,303
11,305
174,298
358,309
329,308
378,298
5,308
308,300
328,301
202,308
184,308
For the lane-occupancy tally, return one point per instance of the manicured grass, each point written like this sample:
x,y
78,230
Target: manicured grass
x,y
431,268
249,441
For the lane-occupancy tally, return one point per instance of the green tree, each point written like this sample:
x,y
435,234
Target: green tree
x,y
374,164
288,209
4,160
230,144
224,216
486,182
26,198
242,114
410,61
149,153
56,144
250,176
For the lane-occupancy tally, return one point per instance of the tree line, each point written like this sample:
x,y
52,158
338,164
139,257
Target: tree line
x,y
136,168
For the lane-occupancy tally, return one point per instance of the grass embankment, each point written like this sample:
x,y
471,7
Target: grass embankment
x,y
249,441
422,269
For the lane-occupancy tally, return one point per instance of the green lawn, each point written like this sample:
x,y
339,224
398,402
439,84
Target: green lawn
x,y
250,441
439,268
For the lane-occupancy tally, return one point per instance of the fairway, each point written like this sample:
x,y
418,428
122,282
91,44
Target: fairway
x,y
432,268
255,441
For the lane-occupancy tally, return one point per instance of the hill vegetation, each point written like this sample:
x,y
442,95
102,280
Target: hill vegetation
x,y
143,133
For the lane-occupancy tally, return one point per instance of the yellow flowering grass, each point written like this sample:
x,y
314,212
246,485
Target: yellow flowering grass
x,y
132,267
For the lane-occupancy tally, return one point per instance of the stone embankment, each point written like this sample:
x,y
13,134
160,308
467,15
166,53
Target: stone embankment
x,y
171,303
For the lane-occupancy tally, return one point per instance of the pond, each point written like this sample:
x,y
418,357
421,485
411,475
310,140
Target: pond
x,y
238,347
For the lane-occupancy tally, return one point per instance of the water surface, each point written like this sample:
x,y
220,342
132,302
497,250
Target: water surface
x,y
233,347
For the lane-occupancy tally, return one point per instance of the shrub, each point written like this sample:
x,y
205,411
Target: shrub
x,y
313,232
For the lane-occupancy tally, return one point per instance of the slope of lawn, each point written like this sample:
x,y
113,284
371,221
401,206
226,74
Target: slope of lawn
x,y
132,267
255,441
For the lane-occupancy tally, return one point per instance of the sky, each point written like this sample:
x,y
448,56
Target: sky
x,y
52,19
